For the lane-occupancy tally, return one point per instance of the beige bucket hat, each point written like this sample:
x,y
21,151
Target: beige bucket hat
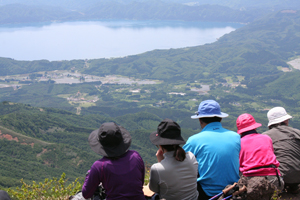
x,y
277,115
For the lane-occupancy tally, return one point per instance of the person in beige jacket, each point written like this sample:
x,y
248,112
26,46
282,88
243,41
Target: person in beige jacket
x,y
174,177
286,144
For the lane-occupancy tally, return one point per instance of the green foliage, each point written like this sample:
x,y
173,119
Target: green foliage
x,y
50,189
49,141
253,52
169,11
151,10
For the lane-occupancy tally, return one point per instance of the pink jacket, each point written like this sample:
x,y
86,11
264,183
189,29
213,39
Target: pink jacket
x,y
257,152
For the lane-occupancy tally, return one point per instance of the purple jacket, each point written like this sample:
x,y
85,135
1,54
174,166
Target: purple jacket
x,y
122,178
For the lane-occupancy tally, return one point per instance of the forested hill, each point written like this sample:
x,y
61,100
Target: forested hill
x,y
38,143
158,10
19,13
256,49
266,4
256,54
236,4
151,10
243,69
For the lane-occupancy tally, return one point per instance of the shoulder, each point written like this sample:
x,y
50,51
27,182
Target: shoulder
x,y
231,135
98,165
156,167
292,129
100,161
264,136
190,156
194,138
280,131
268,132
195,135
256,137
231,132
132,154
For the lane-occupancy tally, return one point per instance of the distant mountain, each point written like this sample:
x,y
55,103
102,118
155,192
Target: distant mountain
x,y
244,4
152,10
236,4
244,69
253,50
22,11
19,13
157,10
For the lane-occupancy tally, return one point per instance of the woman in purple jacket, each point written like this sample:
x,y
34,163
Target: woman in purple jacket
x,y
121,171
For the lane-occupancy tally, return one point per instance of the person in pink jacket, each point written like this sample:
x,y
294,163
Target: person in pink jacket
x,y
257,156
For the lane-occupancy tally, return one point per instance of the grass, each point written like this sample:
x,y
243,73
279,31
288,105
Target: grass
x,y
192,104
229,79
241,78
64,95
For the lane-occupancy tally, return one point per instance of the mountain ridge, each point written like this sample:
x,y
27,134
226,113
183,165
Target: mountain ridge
x,y
22,14
242,70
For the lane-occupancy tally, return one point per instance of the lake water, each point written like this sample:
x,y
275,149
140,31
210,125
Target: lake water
x,y
104,39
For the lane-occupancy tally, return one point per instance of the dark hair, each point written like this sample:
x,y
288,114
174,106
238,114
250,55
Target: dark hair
x,y
276,125
208,120
179,153
248,132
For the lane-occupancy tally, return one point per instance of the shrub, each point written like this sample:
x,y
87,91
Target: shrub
x,y
49,190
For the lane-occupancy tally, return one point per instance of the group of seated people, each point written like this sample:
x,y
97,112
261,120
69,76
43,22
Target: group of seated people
x,y
206,163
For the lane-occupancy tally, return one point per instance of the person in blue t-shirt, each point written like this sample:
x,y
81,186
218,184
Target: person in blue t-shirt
x,y
216,150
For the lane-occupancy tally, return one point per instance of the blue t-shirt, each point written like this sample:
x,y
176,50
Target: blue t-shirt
x,y
217,152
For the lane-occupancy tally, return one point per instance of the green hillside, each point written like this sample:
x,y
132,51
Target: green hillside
x,y
39,143
256,49
245,71
151,10
243,68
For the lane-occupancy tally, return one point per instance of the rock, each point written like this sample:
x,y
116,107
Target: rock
x,y
259,188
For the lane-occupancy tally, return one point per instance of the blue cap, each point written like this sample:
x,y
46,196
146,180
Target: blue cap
x,y
209,108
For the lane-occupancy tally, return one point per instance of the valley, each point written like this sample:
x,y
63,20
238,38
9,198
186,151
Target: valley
x,y
53,106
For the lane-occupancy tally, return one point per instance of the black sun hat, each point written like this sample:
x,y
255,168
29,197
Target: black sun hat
x,y
168,133
110,140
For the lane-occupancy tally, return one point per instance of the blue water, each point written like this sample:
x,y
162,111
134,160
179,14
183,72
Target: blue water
x,y
104,39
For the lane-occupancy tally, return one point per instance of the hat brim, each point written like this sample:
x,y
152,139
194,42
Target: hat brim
x,y
113,151
157,140
222,115
249,128
280,119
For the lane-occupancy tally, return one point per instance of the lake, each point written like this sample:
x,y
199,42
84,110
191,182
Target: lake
x,y
104,39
